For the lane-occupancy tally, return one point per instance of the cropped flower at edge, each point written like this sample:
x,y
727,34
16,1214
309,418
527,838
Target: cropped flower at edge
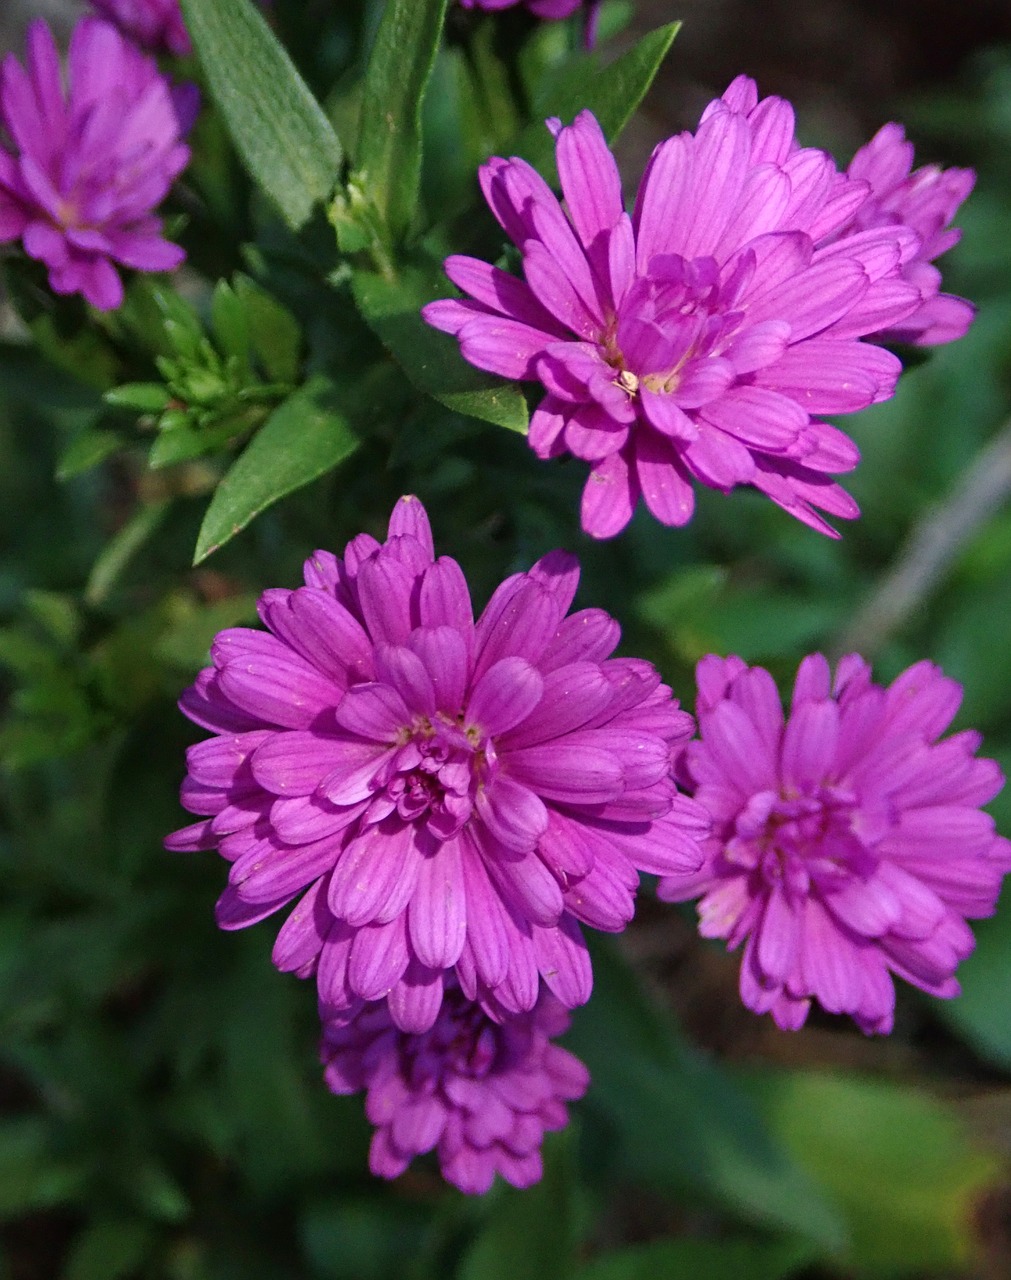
x,y
848,844
91,161
153,24
481,1094
450,796
926,200
696,341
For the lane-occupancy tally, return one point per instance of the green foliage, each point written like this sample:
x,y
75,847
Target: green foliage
x,y
309,434
428,358
900,1165
278,127
388,158
164,1116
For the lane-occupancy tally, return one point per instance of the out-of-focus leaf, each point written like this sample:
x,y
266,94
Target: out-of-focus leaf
x,y
678,1121
983,1011
530,1232
31,1175
897,1161
362,1239
187,643
108,1249
388,161
612,94
700,1260
143,397
305,437
431,359
279,128
121,549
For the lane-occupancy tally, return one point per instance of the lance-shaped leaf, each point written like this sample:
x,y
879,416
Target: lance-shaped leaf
x,y
612,94
388,161
430,359
278,127
306,436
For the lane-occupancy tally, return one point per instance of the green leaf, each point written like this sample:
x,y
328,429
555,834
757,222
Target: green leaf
x,y
692,1259
87,449
120,550
530,1232
31,1176
303,438
388,162
431,359
897,1161
108,1249
274,331
230,323
677,1121
279,129
612,94
983,1011
143,397
186,643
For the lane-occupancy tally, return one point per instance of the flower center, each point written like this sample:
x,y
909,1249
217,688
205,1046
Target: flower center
x,y
433,776
464,1042
795,839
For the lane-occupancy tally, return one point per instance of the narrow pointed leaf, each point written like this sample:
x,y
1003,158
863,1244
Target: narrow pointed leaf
x,y
305,437
430,359
278,127
388,162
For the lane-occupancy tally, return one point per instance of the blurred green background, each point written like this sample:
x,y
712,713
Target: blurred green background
x,y
162,1113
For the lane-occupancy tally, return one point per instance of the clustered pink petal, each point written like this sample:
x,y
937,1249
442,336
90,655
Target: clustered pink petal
x,y
91,160
698,340
449,796
848,842
926,200
481,1094
153,24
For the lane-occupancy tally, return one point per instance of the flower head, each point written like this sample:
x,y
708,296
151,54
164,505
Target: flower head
x,y
848,844
698,340
450,794
926,200
91,160
153,24
480,1093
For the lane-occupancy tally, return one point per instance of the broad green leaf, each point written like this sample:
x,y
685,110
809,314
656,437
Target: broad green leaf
x,y
278,127
388,161
898,1162
303,438
431,359
530,1232
612,94
700,1260
677,1121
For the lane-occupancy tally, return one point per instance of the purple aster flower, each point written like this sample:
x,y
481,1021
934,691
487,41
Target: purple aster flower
x,y
480,1093
91,162
449,795
848,844
696,341
925,200
153,24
